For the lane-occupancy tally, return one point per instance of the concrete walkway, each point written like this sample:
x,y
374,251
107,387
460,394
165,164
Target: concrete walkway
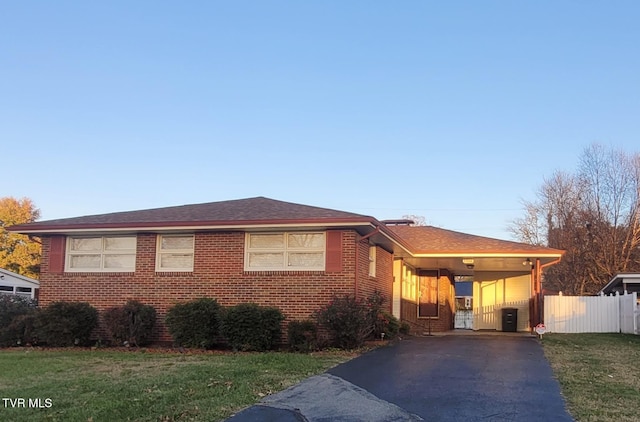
x,y
324,398
440,378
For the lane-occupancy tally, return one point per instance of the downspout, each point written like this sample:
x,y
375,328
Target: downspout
x,y
539,317
355,283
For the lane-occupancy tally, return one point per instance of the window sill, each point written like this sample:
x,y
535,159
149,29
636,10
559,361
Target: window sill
x,y
174,273
100,273
283,272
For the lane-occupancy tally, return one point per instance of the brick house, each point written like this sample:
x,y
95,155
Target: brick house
x,y
295,257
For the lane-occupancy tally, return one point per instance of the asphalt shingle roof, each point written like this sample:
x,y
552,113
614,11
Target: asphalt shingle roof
x,y
249,210
429,239
265,211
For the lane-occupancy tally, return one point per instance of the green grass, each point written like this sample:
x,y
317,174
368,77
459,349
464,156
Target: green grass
x,y
99,385
598,374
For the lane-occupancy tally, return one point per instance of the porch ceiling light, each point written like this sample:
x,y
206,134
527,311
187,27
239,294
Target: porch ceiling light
x,y
527,262
467,261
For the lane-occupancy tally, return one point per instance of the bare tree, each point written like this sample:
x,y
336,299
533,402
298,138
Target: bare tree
x,y
593,215
418,220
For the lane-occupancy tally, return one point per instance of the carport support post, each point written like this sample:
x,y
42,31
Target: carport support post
x,y
537,318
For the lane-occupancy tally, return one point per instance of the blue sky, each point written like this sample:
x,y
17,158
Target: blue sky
x,y
455,111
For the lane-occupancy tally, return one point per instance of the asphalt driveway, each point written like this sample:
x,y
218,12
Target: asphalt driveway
x,y
441,378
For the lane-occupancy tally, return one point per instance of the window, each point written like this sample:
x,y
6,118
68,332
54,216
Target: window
x,y
290,251
409,283
175,253
101,254
372,261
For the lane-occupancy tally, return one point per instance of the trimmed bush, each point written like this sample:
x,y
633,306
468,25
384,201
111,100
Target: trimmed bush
x,y
14,311
248,326
347,320
131,324
405,328
303,336
195,323
66,324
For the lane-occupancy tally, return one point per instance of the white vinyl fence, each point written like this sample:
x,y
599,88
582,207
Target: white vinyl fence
x,y
592,314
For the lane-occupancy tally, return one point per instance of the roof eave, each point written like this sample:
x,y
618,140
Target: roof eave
x,y
472,254
20,277
188,225
620,276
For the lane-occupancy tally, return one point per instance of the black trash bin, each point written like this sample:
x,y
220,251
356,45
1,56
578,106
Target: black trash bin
x,y
510,319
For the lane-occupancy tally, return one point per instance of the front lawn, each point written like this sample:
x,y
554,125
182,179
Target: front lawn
x,y
598,374
102,385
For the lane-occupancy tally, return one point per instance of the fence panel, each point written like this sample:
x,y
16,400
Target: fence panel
x,y
582,314
629,314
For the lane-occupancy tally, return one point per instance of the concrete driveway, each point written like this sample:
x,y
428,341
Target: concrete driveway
x,y
440,378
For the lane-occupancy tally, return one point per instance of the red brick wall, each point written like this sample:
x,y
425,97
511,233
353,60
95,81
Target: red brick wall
x,y
444,321
218,273
383,280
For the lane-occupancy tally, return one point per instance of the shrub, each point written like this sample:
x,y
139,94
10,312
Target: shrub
x,y
248,326
303,336
374,302
405,328
387,324
66,323
348,321
195,323
351,321
130,324
21,329
13,310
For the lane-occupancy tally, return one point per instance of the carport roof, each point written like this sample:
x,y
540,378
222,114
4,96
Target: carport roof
x,y
429,240
466,254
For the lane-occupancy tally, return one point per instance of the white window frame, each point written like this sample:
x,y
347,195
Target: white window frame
x,y
286,249
102,253
188,251
372,261
24,292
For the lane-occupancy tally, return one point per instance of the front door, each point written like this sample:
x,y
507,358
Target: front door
x,y
428,294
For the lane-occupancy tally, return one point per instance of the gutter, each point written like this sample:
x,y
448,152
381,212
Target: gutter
x,y
159,226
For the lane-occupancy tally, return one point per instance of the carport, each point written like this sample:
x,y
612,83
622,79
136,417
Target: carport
x,y
505,275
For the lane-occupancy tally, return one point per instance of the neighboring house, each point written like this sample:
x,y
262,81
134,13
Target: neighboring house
x,y
16,284
295,257
621,283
